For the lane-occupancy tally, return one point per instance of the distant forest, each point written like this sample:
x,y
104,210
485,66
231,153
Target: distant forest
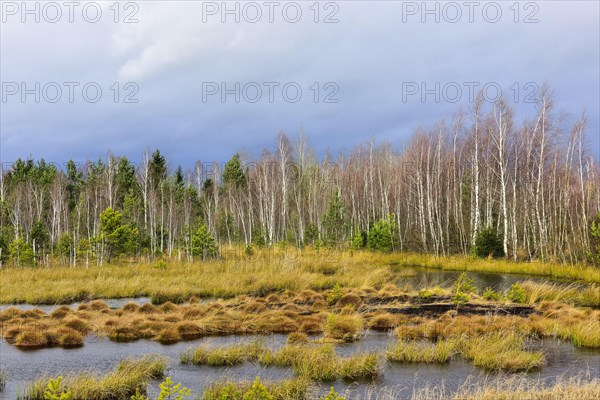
x,y
528,187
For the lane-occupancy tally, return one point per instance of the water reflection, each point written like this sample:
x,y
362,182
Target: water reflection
x,y
101,355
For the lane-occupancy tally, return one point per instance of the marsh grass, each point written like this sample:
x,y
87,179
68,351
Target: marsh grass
x,y
514,388
587,295
290,389
321,363
121,383
536,268
586,334
316,362
224,356
419,351
501,351
268,271
344,327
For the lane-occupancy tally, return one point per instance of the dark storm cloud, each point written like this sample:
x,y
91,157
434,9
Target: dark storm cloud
x,y
367,58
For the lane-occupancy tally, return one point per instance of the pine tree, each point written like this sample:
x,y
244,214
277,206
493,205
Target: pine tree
x,y
203,244
334,222
381,235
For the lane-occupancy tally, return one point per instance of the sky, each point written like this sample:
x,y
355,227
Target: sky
x,y
203,80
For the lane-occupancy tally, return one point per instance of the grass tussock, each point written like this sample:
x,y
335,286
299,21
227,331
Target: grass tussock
x,y
121,383
419,351
501,351
586,295
322,363
224,356
343,327
316,362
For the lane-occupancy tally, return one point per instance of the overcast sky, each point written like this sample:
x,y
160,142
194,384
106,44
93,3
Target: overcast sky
x,y
374,61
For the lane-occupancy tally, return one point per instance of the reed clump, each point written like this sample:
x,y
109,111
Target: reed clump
x,y
419,351
120,383
321,363
343,327
224,356
501,351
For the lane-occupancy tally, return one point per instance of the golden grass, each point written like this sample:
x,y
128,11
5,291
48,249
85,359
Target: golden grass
x,y
121,383
501,351
224,356
269,271
587,296
515,388
461,263
321,363
417,351
343,327
316,362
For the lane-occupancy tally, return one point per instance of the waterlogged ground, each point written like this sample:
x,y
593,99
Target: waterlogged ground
x,y
102,355
415,277
112,303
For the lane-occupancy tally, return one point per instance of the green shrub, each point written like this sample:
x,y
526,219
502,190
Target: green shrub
x,y
359,240
490,294
488,244
21,253
54,391
160,264
516,293
258,391
461,298
381,235
462,288
167,389
336,293
464,284
332,395
203,244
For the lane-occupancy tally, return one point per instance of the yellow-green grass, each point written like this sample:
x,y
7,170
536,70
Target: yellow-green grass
x,y
289,389
224,356
419,351
581,272
181,281
121,383
321,363
344,327
501,351
587,296
316,362
586,334
288,312
272,270
515,388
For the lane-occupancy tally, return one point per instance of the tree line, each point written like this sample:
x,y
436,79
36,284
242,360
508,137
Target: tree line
x,y
481,182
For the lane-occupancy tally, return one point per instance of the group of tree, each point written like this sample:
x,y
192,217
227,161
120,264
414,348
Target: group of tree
x,y
481,183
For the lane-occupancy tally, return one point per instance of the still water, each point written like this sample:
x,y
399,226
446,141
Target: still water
x,y
102,355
